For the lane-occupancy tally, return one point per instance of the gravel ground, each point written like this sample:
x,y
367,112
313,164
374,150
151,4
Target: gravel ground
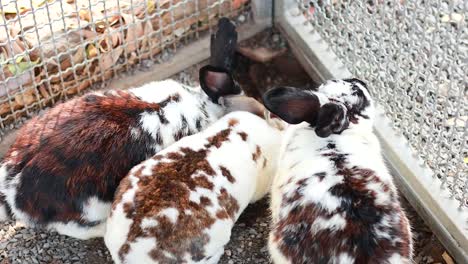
x,y
248,242
249,236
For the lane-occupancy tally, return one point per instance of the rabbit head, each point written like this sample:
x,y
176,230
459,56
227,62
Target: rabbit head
x,y
221,88
216,78
337,106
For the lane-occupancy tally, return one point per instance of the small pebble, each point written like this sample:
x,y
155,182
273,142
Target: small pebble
x,y
147,64
276,38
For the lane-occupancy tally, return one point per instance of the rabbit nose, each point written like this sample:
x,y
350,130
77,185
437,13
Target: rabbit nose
x,y
222,101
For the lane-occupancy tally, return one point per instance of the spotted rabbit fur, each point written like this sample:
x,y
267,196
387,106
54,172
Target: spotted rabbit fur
x,y
180,205
333,199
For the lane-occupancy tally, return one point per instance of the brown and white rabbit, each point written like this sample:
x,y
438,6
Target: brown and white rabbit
x,y
65,165
180,205
333,199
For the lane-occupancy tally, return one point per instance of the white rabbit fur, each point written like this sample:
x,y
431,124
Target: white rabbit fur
x,y
333,199
180,205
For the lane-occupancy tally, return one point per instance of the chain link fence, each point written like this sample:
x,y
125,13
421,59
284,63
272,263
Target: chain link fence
x,y
52,49
414,55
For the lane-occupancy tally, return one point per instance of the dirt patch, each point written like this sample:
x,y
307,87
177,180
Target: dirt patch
x,y
283,70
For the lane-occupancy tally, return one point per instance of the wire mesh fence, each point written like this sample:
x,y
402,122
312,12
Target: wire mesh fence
x,y
414,56
52,49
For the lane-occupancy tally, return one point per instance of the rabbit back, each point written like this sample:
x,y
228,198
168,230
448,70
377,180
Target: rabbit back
x,y
180,205
64,167
334,206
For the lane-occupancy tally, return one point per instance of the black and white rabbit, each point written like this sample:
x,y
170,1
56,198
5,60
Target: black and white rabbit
x,y
65,165
333,199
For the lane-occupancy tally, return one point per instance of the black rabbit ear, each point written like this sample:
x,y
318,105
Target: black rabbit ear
x,y
332,119
292,105
356,80
217,82
223,45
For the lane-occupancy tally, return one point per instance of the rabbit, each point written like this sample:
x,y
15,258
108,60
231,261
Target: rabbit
x,y
63,169
333,199
180,205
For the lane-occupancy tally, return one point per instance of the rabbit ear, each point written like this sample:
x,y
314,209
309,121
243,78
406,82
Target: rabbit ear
x,y
356,80
217,82
223,45
292,105
332,119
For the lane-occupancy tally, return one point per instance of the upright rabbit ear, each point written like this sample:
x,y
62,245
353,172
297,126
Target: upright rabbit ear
x,y
217,82
223,45
332,119
292,105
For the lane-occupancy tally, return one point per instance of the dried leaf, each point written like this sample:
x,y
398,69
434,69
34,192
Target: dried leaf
x,y
147,42
91,51
10,51
133,33
114,20
84,14
13,84
58,77
10,8
25,98
88,34
77,88
21,66
111,40
150,6
79,56
108,59
56,87
2,59
38,3
43,92
101,26
5,108
164,2
19,59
